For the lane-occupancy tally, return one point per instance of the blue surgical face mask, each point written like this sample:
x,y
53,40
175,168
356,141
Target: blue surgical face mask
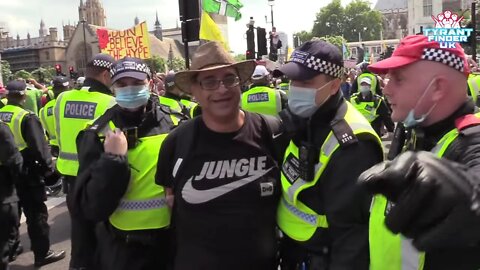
x,y
132,96
364,89
301,100
411,121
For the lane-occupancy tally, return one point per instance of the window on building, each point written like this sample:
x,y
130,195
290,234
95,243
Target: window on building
x,y
427,8
47,55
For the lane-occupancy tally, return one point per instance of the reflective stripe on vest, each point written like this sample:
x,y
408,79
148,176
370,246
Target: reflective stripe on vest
x,y
73,110
13,117
174,105
366,108
395,252
190,106
295,218
48,121
474,87
143,206
262,99
373,78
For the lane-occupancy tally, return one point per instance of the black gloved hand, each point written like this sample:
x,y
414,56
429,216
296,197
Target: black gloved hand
x,y
432,199
51,177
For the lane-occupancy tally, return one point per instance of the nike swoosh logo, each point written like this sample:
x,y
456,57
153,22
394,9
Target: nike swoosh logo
x,y
195,196
274,136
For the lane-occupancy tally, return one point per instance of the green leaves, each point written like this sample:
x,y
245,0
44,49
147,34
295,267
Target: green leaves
x,y
357,17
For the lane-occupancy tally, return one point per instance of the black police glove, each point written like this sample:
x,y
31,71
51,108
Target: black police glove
x,y
52,177
432,199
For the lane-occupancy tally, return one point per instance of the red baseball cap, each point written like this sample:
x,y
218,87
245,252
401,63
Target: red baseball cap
x,y
417,47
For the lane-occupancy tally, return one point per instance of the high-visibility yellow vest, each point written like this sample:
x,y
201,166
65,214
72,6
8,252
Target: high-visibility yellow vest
x,y
190,105
474,86
366,108
372,77
285,87
144,205
73,110
13,117
262,99
295,218
48,121
175,106
395,252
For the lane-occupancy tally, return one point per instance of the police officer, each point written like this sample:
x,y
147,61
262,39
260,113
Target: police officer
x,y
261,98
372,106
10,166
284,85
365,73
177,101
322,213
60,84
432,189
474,88
37,165
73,110
118,158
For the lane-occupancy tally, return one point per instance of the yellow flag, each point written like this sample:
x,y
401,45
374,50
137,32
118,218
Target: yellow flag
x,y
209,30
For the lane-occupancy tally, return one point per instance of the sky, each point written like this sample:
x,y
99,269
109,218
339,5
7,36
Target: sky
x,y
23,16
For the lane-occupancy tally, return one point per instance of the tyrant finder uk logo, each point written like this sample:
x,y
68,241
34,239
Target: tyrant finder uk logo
x,y
447,30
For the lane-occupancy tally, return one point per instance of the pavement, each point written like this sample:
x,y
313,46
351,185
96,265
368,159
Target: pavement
x,y
59,237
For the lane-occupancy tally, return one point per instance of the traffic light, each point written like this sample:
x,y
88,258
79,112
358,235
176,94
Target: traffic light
x,y
58,69
250,42
249,55
261,42
72,72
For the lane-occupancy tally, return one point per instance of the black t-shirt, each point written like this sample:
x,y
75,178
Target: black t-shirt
x,y
226,195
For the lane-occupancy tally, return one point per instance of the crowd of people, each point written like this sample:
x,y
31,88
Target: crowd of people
x,y
229,165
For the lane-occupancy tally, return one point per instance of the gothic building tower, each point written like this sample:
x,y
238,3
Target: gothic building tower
x,y
92,11
158,28
42,31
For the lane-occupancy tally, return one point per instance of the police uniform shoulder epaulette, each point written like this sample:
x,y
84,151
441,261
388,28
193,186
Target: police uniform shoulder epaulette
x,y
468,124
101,121
343,132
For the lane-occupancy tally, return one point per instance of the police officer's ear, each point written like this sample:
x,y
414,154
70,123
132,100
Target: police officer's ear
x,y
334,85
151,85
441,88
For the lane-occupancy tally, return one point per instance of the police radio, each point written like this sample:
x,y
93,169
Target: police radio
x,y
131,134
308,154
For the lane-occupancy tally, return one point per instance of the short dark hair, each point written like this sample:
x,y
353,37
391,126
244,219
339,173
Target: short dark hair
x,y
92,71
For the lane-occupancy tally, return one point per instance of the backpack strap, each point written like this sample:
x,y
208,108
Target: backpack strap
x,y
185,141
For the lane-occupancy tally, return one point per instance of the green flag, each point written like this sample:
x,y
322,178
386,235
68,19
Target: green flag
x,y
230,8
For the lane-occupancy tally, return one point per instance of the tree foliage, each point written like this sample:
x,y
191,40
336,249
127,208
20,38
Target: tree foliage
x,y
156,64
357,17
6,71
335,40
44,74
240,57
23,74
177,64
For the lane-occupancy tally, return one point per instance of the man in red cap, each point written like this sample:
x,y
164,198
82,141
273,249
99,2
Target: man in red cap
x,y
429,194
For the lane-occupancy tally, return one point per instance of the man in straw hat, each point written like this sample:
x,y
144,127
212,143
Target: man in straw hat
x,y
432,189
220,170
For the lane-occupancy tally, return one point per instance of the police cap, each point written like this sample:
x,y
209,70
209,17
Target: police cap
x,y
16,87
101,60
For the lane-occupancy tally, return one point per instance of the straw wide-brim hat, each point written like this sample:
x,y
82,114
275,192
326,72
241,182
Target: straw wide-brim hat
x,y
211,56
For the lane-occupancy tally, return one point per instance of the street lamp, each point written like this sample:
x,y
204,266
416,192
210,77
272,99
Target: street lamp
x,y
83,21
271,3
